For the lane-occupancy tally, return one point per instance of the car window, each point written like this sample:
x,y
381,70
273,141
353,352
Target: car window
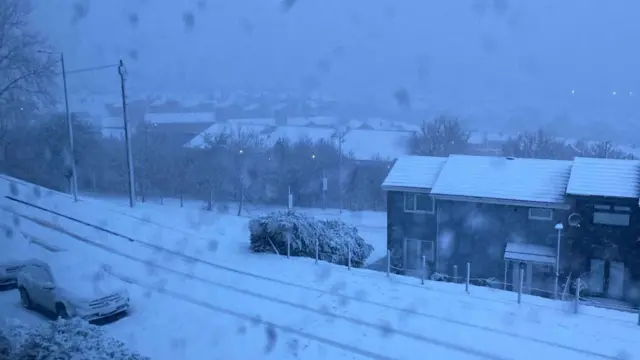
x,y
39,273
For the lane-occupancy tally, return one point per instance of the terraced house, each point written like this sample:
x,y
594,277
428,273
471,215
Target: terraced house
x,y
556,219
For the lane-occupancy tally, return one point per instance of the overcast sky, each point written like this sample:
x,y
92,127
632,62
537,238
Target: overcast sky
x,y
465,55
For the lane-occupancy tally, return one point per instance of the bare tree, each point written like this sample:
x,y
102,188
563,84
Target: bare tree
x,y
538,144
600,149
25,71
442,136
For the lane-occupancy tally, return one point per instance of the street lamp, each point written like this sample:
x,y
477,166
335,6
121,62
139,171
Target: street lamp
x,y
74,174
559,227
339,136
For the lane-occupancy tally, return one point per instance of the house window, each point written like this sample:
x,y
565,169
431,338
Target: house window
x,y
540,214
423,203
608,218
414,250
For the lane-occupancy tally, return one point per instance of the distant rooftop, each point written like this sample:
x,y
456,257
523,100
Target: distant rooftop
x,y
328,121
369,144
299,133
268,121
180,117
232,129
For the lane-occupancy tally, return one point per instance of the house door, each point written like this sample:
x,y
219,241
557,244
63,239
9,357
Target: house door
x,y
615,290
528,277
596,276
414,252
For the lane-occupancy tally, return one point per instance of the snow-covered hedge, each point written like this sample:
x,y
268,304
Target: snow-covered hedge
x,y
72,339
334,237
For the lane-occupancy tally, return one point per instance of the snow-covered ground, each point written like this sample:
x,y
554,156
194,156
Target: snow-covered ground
x,y
198,293
372,225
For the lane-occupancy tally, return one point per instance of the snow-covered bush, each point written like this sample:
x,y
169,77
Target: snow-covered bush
x,y
270,232
72,339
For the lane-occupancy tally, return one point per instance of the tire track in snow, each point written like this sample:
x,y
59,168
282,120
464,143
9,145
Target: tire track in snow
x,y
312,289
246,317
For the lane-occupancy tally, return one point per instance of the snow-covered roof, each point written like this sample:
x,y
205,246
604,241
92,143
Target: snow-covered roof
x,y
504,179
112,122
381,124
368,144
313,120
355,124
180,118
401,125
414,172
605,177
477,138
232,129
112,126
299,133
255,121
530,253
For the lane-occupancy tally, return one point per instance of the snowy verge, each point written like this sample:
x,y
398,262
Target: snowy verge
x,y
72,339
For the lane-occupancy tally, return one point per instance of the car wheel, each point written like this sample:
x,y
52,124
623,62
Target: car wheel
x,y
25,299
61,311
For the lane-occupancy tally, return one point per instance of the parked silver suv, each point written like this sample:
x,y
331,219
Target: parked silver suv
x,y
71,291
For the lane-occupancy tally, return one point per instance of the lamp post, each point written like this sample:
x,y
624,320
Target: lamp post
x,y
339,136
74,174
559,227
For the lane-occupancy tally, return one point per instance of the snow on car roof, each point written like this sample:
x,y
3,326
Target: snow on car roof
x,y
81,275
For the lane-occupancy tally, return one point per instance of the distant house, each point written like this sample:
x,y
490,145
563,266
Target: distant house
x,y
264,121
483,143
368,145
299,133
228,128
113,127
604,229
314,121
497,213
182,127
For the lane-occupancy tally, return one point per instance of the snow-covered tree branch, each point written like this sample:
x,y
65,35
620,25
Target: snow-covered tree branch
x,y
26,70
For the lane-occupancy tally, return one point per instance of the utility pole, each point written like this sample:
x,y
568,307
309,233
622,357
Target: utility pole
x,y
340,178
74,173
127,136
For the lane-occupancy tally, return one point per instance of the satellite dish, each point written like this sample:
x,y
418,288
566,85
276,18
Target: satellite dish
x,y
574,220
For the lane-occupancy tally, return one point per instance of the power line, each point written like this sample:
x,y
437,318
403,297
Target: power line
x,y
94,68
